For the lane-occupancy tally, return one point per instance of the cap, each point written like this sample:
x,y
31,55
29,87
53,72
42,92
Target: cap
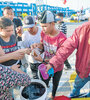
x,y
29,22
47,17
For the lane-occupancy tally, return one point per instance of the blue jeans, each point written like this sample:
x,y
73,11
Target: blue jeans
x,y
78,84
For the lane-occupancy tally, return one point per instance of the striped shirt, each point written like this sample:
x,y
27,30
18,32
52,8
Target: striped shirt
x,y
62,27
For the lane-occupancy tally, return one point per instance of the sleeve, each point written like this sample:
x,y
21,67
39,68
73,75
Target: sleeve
x,y
11,78
65,50
24,36
25,41
64,28
61,39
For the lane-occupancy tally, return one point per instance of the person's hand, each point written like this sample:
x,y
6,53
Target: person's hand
x,y
14,67
17,69
25,50
48,67
28,51
38,58
35,45
19,31
19,54
47,60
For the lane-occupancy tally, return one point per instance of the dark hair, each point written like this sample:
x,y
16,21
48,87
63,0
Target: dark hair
x,y
60,14
4,22
8,8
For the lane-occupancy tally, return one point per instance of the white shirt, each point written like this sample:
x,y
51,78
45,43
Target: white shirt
x,y
29,39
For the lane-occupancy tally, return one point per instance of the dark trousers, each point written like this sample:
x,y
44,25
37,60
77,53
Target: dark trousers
x,y
34,69
67,64
56,79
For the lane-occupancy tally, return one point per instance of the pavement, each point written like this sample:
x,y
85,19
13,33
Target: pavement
x,y
64,87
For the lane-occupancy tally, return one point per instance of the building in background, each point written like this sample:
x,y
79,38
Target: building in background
x,y
33,9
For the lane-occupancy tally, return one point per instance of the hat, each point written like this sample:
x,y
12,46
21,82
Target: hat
x,y
47,17
29,22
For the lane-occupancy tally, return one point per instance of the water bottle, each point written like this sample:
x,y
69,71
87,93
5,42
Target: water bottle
x,y
42,69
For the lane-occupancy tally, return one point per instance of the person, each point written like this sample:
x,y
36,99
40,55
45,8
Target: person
x,y
11,78
8,44
80,40
62,27
51,40
29,37
8,13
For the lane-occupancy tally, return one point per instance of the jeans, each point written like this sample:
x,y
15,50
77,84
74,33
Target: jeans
x,y
78,84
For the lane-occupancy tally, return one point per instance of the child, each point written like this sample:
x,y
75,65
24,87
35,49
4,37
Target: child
x,y
29,37
63,28
8,44
51,40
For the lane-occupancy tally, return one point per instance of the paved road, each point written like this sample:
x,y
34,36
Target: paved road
x,y
64,85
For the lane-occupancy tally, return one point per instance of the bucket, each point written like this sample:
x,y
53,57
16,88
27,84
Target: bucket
x,y
42,90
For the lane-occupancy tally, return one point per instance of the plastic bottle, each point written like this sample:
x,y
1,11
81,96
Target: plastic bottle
x,y
42,69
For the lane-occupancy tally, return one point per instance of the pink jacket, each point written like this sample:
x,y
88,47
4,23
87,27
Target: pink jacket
x,y
80,40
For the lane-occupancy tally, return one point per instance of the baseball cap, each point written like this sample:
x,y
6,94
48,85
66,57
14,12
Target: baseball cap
x,y
28,22
47,17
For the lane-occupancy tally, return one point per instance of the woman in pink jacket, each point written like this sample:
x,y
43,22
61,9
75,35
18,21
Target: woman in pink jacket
x,y
80,40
